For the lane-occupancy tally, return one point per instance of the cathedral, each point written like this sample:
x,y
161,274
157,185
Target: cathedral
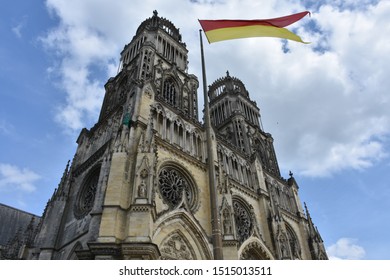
x,y
139,187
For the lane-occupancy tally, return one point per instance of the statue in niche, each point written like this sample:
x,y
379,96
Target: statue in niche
x,y
142,188
294,250
283,248
227,222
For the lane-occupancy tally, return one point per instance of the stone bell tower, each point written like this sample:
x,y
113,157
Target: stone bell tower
x,y
137,187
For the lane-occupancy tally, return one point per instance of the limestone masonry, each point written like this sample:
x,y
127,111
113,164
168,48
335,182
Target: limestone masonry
x,y
138,186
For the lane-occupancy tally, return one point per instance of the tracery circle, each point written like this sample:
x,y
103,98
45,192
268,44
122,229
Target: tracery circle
x,y
173,185
242,220
86,197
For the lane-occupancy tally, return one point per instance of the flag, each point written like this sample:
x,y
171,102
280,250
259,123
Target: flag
x,y
219,30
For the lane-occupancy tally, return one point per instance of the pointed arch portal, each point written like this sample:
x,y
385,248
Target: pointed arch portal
x,y
178,236
255,251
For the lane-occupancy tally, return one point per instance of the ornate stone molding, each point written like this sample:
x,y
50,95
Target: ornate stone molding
x,y
254,251
191,225
127,251
230,243
140,251
140,208
176,247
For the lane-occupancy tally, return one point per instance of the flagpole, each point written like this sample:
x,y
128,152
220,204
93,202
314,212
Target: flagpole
x,y
215,221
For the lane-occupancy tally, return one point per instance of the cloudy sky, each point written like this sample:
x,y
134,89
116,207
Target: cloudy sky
x,y
326,104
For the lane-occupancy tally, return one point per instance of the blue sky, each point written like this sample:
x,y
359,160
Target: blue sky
x,y
326,104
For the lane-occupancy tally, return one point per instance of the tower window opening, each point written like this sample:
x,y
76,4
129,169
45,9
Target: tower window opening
x,y
181,136
187,141
169,92
168,129
160,122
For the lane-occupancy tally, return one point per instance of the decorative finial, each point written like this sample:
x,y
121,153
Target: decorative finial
x,y
307,210
227,74
290,173
155,13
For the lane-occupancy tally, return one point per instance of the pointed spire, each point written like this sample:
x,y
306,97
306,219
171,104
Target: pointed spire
x,y
65,174
59,192
45,210
318,235
307,211
53,196
29,233
67,167
315,240
312,229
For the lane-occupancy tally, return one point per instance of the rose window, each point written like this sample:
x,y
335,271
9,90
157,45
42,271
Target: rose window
x,y
86,196
173,185
242,220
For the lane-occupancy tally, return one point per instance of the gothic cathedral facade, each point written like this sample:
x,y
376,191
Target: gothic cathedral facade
x,y
137,187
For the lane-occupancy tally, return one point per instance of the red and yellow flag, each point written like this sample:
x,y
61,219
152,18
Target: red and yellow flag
x,y
219,30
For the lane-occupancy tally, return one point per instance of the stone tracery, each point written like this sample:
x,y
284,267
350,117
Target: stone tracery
x,y
243,221
86,196
173,185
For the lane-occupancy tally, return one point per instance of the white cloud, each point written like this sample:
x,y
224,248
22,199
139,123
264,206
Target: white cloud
x,y
13,177
345,249
6,128
17,29
332,107
326,104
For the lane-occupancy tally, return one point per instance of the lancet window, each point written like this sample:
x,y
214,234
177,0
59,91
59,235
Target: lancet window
x,y
236,168
172,52
293,242
169,92
177,133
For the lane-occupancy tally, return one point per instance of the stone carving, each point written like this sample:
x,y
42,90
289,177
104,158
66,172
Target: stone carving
x,y
254,251
284,254
227,222
144,180
176,248
142,190
148,91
